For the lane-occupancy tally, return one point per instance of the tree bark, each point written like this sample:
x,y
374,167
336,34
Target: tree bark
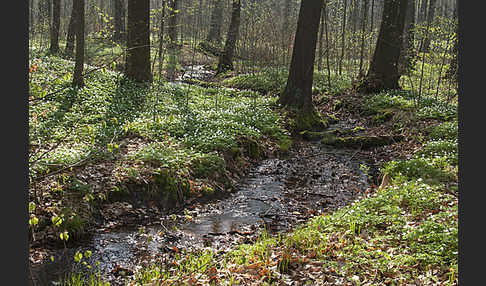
x,y
71,34
422,12
161,39
324,11
78,78
119,19
321,35
452,71
372,22
407,55
343,38
56,23
363,31
383,71
138,43
31,18
226,59
214,35
298,90
285,28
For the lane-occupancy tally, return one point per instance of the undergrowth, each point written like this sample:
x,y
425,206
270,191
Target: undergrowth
x,y
137,131
403,233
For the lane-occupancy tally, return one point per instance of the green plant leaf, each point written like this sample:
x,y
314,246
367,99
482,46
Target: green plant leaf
x,y
33,221
78,256
31,206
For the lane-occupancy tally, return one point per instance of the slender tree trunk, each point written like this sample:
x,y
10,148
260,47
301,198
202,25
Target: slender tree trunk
x,y
321,34
407,55
78,79
298,90
226,59
42,20
327,44
354,15
372,22
181,21
285,29
214,35
343,38
119,21
363,31
49,11
422,12
452,71
172,31
430,18
383,72
56,23
31,18
138,42
161,39
71,34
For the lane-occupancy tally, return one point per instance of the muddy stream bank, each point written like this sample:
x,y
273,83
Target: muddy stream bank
x,y
276,195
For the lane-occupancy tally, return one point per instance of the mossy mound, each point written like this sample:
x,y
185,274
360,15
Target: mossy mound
x,y
165,189
363,142
201,83
308,121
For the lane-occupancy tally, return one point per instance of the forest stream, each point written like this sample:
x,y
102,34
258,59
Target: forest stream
x,y
276,195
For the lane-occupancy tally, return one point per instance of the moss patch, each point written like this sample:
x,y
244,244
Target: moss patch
x,y
359,141
308,121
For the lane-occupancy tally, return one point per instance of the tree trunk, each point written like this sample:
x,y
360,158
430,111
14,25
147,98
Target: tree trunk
x,y
31,19
78,79
372,22
354,15
138,43
56,22
321,35
324,11
363,31
226,59
214,35
297,95
49,11
161,39
71,34
422,12
119,19
343,38
452,71
172,31
298,91
383,72
285,28
406,61
430,18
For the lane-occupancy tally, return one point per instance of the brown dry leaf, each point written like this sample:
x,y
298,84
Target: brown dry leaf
x,y
212,271
263,272
254,265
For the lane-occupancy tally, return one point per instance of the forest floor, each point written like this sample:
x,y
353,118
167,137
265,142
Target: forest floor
x,y
313,218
